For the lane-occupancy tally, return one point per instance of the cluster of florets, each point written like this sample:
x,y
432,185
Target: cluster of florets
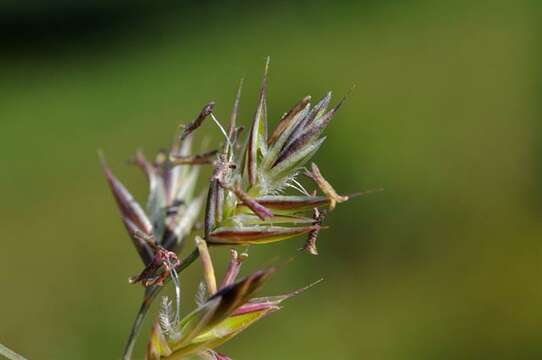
x,y
249,201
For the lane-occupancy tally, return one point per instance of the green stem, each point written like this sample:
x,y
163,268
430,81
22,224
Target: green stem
x,y
150,295
10,354
187,261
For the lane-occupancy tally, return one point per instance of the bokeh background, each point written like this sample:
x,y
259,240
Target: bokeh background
x,y
445,116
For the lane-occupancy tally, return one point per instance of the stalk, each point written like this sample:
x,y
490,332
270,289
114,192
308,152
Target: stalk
x,y
10,354
148,298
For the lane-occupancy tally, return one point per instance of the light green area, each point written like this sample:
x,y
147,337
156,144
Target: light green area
x,y
444,264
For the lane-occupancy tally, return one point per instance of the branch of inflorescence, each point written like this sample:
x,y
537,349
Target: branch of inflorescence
x,y
148,298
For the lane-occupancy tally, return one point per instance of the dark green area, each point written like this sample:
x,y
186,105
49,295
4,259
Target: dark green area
x,y
445,116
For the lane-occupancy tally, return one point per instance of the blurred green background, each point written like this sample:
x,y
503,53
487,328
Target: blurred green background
x,y
444,264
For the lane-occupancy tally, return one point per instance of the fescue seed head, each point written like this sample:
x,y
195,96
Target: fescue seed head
x,y
249,201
